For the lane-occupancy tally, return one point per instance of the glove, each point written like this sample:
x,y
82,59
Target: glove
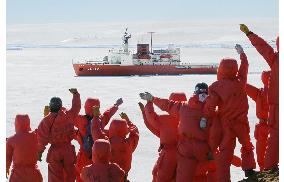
x,y
244,28
124,116
203,123
39,155
239,48
46,111
73,90
146,96
119,102
96,111
141,106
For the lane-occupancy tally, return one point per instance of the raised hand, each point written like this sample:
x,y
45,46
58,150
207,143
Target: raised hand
x,y
239,48
119,102
244,28
46,110
141,106
146,96
124,116
73,90
96,111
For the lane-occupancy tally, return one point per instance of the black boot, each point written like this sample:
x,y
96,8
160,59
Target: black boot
x,y
249,172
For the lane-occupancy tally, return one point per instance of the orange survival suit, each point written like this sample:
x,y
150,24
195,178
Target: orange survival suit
x,y
84,134
205,170
21,148
259,95
272,58
192,145
122,146
228,93
57,128
102,169
165,167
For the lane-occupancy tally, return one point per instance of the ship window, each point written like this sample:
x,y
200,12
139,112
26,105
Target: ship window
x,y
80,69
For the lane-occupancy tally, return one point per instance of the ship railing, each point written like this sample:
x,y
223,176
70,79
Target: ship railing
x,y
205,65
89,61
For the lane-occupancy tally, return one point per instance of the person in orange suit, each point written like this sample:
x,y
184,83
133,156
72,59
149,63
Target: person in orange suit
x,y
259,95
229,94
84,135
57,128
102,169
166,125
272,59
192,147
123,146
21,148
206,171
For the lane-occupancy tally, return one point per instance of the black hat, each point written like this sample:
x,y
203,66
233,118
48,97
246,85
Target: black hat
x,y
55,104
201,88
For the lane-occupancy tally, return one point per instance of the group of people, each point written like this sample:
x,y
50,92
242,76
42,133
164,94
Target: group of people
x,y
197,135
104,154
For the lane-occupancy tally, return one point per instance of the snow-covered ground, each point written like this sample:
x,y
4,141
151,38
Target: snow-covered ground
x,y
34,75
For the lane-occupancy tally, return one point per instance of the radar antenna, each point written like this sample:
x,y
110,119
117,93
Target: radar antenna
x,y
151,41
125,38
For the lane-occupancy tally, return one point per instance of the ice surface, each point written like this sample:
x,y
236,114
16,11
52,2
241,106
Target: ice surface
x,y
35,75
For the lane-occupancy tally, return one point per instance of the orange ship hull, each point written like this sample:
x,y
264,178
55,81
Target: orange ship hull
x,y
128,70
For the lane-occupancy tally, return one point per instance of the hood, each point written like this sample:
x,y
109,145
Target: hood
x,y
178,96
89,104
22,123
265,77
227,69
101,151
277,43
118,127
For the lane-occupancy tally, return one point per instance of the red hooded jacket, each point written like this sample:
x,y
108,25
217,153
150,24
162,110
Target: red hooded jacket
x,y
58,128
122,146
101,169
228,93
21,147
272,59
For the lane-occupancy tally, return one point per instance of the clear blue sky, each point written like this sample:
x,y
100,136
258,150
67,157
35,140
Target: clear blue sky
x,y
67,11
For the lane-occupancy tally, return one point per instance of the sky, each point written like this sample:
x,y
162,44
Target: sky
x,y
75,11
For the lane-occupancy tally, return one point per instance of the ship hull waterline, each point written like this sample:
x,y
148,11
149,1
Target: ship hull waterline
x,y
119,70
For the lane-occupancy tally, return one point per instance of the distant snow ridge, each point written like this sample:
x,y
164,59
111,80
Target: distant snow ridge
x,y
69,43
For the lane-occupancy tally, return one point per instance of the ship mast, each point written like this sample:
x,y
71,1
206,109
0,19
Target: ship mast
x,y
151,41
125,38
